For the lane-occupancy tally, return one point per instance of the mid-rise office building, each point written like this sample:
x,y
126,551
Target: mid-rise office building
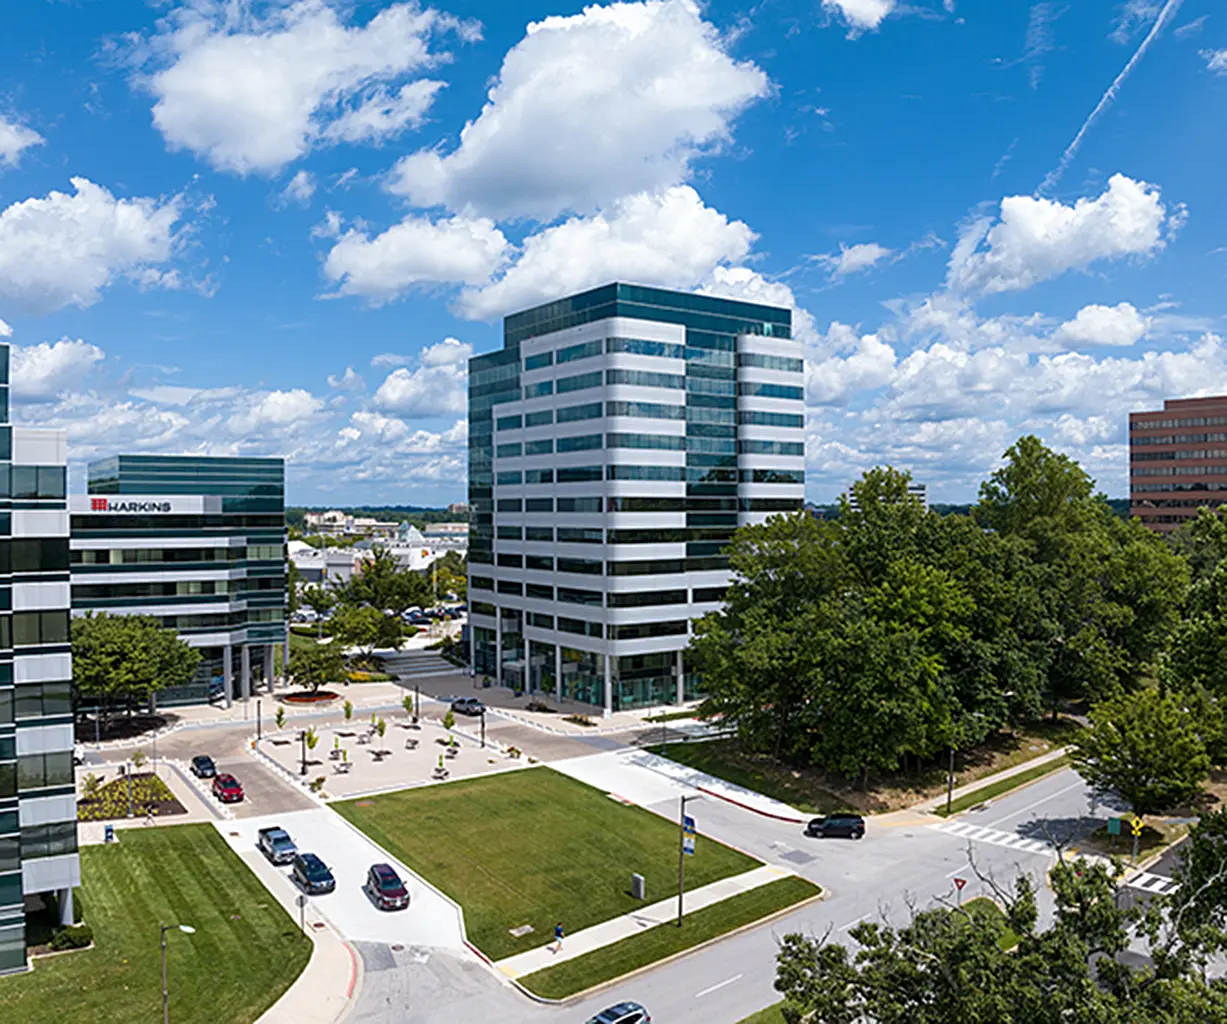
x,y
198,542
38,805
918,493
616,441
1177,461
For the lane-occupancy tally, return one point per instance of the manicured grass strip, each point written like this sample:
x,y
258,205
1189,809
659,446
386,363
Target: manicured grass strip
x,y
986,911
978,796
244,955
671,716
533,847
721,759
664,940
772,1015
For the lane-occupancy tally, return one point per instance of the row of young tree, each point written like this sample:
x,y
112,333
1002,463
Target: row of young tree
x,y
892,634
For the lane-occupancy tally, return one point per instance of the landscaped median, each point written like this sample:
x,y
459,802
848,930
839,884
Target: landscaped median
x,y
1003,785
245,951
664,940
532,848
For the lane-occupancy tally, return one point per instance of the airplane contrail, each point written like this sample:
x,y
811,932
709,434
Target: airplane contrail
x,y
1169,11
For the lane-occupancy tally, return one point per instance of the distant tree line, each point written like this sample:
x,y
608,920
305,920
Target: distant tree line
x,y
415,515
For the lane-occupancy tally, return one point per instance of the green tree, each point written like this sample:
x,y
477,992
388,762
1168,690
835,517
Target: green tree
x,y
383,584
451,574
124,659
279,717
320,600
348,708
367,628
1035,483
947,964
449,720
1146,748
293,583
317,666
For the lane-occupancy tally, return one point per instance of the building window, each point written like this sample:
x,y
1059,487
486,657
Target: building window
x,y
510,533
673,473
540,621
540,389
579,443
539,533
770,419
580,627
541,563
579,474
582,566
570,595
770,362
644,630
539,591
48,627
646,598
657,442
579,504
509,451
701,595
545,447
585,350
579,382
791,448
41,771
646,410
580,535
59,837
645,379
510,587
754,388
509,422
541,359
509,504
539,419
511,561
643,347
572,413
772,476
647,567
538,476
481,582
539,505
511,478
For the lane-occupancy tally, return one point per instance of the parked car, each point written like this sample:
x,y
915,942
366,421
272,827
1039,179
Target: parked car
x,y
468,706
203,766
384,887
312,875
622,1013
275,843
227,789
850,826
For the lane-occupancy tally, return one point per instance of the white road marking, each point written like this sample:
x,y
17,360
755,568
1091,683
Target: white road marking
x,y
1147,882
1031,807
992,836
853,924
727,981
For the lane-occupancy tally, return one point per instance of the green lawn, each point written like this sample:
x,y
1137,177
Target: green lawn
x,y
245,953
772,1015
619,958
533,847
721,759
978,796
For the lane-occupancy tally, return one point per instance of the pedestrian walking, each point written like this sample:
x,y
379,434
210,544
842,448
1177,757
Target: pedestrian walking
x,y
558,937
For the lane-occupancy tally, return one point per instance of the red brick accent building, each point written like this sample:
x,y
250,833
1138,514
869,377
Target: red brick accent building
x,y
1177,461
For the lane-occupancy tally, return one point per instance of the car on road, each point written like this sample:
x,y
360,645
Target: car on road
x,y
203,766
850,826
312,875
385,889
622,1013
468,706
227,789
275,843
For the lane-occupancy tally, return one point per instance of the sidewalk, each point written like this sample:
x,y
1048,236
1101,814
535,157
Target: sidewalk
x,y
618,928
322,993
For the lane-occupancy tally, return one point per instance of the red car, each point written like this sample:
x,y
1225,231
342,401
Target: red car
x,y
227,789
384,887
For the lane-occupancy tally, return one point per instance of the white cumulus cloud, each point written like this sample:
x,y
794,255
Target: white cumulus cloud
x,y
618,99
1036,239
64,249
415,251
278,409
860,14
15,138
436,387
848,363
1120,325
300,188
253,93
852,259
671,240
48,369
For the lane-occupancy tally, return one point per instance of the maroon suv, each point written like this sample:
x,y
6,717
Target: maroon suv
x,y
227,789
384,887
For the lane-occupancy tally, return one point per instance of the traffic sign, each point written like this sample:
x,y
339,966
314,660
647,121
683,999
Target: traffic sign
x,y
688,845
1137,826
959,883
688,824
1114,826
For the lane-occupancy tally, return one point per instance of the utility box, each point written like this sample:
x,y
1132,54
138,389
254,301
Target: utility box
x,y
638,889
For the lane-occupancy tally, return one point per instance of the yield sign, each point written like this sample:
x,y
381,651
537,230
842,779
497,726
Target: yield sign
x,y
959,883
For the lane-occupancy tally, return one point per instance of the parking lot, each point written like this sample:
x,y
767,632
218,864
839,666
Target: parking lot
x,y
430,920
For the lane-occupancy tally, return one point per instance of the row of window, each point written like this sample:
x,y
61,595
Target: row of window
x,y
625,599
1208,470
1193,486
28,629
34,554
635,504
675,474
1190,421
82,593
718,531
649,379
644,347
35,700
639,567
36,771
1199,453
651,410
33,482
51,840
144,556
715,440
1178,439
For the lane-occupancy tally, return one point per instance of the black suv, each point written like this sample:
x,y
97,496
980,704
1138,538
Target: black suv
x,y
312,875
850,826
203,766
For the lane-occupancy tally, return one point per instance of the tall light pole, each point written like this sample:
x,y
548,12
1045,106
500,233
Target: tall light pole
x,y
681,854
303,738
187,929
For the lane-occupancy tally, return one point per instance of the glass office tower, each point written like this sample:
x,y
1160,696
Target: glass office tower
x,y
615,443
198,542
38,805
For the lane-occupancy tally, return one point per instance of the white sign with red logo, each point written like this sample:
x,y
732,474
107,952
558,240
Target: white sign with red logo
x,y
141,504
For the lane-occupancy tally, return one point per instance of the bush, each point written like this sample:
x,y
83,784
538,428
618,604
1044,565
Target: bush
x,y
74,936
580,720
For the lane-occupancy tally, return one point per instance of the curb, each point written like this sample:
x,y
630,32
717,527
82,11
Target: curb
x,y
747,807
602,986
930,806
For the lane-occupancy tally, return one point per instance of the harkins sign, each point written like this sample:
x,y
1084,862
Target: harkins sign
x,y
119,505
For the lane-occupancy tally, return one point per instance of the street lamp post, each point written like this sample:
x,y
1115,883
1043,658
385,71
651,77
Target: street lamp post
x,y
257,719
302,736
187,929
681,854
483,728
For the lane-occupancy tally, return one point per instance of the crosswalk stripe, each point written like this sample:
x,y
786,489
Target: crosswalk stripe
x,y
994,837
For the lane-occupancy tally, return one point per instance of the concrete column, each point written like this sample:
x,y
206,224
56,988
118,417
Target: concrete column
x,y
268,666
558,671
228,674
681,679
245,671
64,898
608,685
498,647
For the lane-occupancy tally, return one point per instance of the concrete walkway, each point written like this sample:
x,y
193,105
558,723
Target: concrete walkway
x,y
931,804
628,925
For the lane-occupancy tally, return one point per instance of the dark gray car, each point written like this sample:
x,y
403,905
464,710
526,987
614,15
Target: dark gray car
x,y
275,843
849,826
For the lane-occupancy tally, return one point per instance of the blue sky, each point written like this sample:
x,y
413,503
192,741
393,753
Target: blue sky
x,y
282,227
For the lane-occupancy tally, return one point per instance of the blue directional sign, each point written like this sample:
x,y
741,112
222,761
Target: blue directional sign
x,y
688,844
688,825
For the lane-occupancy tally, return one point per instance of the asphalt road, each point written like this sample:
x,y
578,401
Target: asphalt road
x,y
907,864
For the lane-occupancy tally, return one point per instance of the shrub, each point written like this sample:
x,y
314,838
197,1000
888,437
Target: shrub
x,y
580,720
74,936
449,720
317,784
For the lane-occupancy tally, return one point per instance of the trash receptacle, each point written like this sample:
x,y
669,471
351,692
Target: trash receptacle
x,y
638,888
108,833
